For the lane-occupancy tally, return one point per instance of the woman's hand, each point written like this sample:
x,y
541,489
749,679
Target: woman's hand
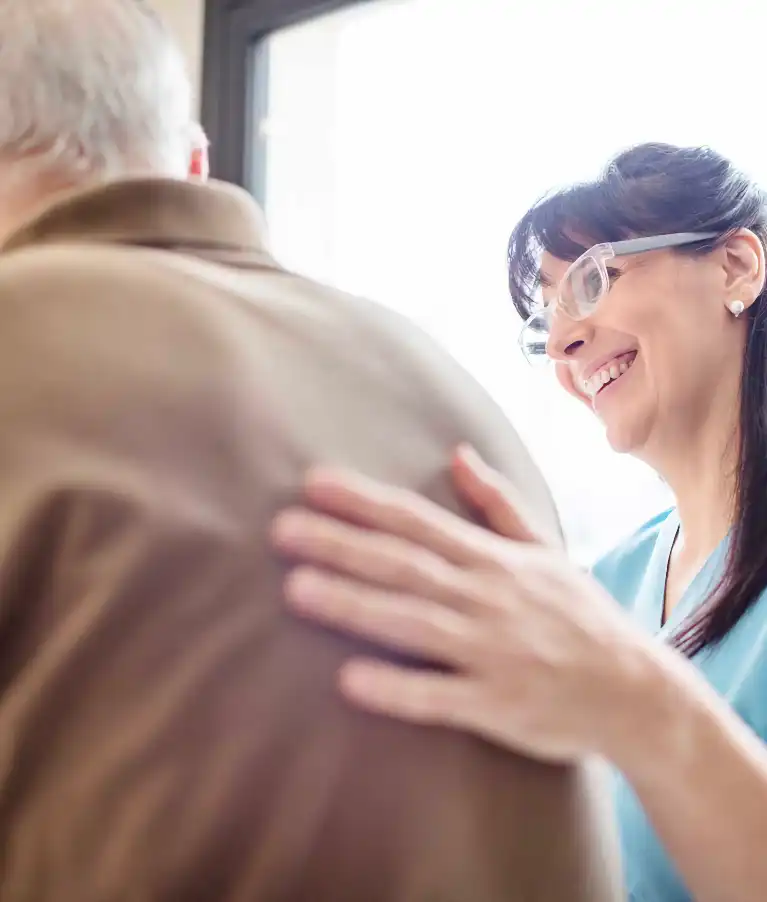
x,y
540,658
496,499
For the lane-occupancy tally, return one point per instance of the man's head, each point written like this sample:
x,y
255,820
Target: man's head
x,y
90,90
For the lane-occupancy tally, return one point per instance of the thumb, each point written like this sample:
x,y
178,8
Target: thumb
x,y
489,492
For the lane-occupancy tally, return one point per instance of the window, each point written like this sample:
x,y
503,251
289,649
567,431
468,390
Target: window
x,y
394,144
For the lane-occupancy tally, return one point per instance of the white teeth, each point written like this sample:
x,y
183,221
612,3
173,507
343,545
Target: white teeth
x,y
602,377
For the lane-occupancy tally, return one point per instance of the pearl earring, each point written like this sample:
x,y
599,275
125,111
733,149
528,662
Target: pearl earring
x,y
736,308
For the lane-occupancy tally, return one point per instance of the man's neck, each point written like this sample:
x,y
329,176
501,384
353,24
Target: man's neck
x,y
24,193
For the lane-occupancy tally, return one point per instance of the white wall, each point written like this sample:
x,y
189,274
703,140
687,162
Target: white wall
x,y
186,19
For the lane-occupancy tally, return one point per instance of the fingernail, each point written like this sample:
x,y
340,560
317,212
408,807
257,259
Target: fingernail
x,y
325,477
305,587
287,528
470,455
355,678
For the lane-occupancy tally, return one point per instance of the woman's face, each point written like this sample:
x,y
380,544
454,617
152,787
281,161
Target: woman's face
x,y
666,332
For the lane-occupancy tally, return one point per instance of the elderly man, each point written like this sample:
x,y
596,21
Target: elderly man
x,y
168,731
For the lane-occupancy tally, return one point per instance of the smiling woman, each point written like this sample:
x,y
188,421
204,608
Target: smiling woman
x,y
668,346
687,234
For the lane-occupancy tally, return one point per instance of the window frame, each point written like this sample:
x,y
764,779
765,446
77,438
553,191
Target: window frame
x,y
235,80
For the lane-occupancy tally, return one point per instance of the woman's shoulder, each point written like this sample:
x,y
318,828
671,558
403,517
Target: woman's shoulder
x,y
622,569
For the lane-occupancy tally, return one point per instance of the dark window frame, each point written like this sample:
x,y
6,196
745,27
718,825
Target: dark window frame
x,y
235,79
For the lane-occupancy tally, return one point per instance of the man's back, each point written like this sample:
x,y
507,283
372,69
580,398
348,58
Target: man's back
x,y
169,730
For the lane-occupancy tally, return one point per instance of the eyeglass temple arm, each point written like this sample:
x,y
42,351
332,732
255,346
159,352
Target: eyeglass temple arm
x,y
657,242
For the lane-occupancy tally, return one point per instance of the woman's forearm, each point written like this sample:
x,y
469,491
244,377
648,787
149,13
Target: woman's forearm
x,y
495,612
701,776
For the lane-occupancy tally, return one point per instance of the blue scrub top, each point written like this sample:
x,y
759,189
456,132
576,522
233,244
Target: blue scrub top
x,y
635,574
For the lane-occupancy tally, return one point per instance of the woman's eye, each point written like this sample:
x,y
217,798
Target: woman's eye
x,y
593,283
613,275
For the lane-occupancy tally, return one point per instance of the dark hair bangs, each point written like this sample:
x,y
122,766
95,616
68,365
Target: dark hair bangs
x,y
551,226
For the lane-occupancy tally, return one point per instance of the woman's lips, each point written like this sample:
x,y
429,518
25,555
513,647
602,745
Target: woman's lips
x,y
607,373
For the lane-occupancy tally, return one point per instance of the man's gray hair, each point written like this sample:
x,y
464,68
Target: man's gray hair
x,y
92,87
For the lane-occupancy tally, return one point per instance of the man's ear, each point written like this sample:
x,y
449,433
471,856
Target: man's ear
x,y
199,159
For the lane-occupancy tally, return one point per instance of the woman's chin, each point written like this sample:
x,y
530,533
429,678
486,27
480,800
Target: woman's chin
x,y
625,437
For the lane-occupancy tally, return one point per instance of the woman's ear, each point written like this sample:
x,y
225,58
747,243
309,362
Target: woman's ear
x,y
744,267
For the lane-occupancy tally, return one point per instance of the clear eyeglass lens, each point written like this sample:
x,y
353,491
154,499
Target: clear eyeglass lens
x,y
533,339
581,291
584,286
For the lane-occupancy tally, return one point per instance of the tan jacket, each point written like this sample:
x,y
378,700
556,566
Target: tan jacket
x,y
167,730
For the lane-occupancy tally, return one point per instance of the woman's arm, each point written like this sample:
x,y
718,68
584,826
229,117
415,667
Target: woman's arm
x,y
539,659
701,776
699,771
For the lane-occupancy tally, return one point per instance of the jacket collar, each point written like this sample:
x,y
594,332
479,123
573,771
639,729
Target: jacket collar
x,y
200,218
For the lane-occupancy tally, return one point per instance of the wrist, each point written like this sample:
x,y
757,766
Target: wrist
x,y
657,697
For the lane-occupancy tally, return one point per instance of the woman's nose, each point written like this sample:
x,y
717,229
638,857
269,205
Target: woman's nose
x,y
568,336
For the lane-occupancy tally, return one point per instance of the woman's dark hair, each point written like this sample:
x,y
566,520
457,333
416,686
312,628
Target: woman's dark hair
x,y
657,189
